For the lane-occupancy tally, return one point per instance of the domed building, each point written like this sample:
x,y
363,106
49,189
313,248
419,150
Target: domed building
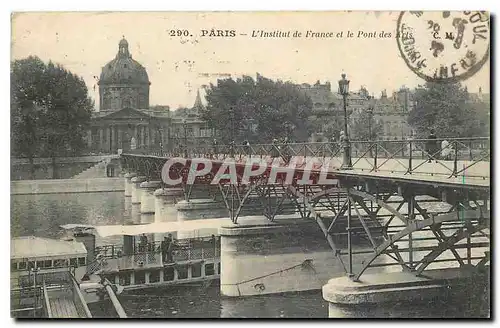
x,y
125,120
124,82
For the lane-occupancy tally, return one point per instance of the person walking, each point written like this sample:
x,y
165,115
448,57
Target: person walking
x,y
432,148
246,146
446,150
275,151
214,148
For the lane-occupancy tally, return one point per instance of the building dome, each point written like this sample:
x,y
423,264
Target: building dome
x,y
123,69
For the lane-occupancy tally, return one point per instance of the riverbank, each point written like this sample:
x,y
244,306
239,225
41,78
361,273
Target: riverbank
x,y
64,186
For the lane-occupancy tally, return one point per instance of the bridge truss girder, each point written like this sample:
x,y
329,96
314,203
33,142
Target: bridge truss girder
x,y
361,208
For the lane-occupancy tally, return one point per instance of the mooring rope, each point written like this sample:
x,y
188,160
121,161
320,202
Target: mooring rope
x,y
305,263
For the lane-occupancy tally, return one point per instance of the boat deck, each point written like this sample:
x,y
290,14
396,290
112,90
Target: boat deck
x,y
63,307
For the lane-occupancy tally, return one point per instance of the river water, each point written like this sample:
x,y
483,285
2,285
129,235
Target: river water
x,y
41,215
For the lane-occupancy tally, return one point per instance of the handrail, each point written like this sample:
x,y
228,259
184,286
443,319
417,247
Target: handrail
x,y
408,156
78,297
224,146
112,296
48,309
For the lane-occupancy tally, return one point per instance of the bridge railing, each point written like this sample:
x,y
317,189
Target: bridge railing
x,y
452,156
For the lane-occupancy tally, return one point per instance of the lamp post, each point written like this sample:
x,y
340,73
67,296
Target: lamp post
x,y
344,91
231,144
370,115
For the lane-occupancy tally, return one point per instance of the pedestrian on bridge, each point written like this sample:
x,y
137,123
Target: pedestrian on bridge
x,y
432,146
214,148
446,150
246,146
275,150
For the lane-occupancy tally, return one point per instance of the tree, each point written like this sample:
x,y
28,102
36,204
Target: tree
x,y
257,110
50,110
363,124
446,108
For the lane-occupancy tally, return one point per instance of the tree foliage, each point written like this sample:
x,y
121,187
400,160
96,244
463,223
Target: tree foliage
x,y
447,108
364,124
50,109
257,110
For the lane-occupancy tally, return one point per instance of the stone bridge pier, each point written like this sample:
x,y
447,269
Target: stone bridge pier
x,y
287,255
198,209
164,206
128,183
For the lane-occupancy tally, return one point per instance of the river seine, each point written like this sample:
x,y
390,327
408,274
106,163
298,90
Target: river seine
x,y
41,215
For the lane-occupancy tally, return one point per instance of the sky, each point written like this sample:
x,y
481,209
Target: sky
x,y
84,42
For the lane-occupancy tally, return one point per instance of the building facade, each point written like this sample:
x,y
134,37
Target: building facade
x,y
125,119
188,127
328,111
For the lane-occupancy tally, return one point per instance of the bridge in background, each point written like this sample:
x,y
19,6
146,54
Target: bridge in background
x,y
380,198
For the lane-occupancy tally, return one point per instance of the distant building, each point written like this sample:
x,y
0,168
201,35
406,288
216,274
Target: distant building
x,y
393,114
328,111
188,127
124,111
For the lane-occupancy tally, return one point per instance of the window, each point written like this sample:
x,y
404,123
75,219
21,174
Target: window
x,y
81,261
13,265
196,270
59,263
22,265
154,276
73,262
124,279
168,274
47,264
31,264
209,269
182,272
140,278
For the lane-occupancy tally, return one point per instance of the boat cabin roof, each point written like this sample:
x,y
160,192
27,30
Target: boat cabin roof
x,y
203,227
38,247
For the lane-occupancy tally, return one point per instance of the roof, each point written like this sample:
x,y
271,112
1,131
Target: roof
x,y
161,227
123,69
32,247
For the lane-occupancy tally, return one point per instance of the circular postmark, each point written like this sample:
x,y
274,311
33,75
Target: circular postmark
x,y
444,46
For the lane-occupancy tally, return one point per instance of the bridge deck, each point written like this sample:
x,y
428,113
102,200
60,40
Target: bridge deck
x,y
473,174
421,178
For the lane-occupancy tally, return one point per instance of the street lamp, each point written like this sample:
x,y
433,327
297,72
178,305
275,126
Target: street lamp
x,y
344,91
370,115
232,144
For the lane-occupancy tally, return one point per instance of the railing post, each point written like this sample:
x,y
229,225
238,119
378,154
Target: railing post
x,y
455,160
349,241
411,217
410,158
470,149
375,158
